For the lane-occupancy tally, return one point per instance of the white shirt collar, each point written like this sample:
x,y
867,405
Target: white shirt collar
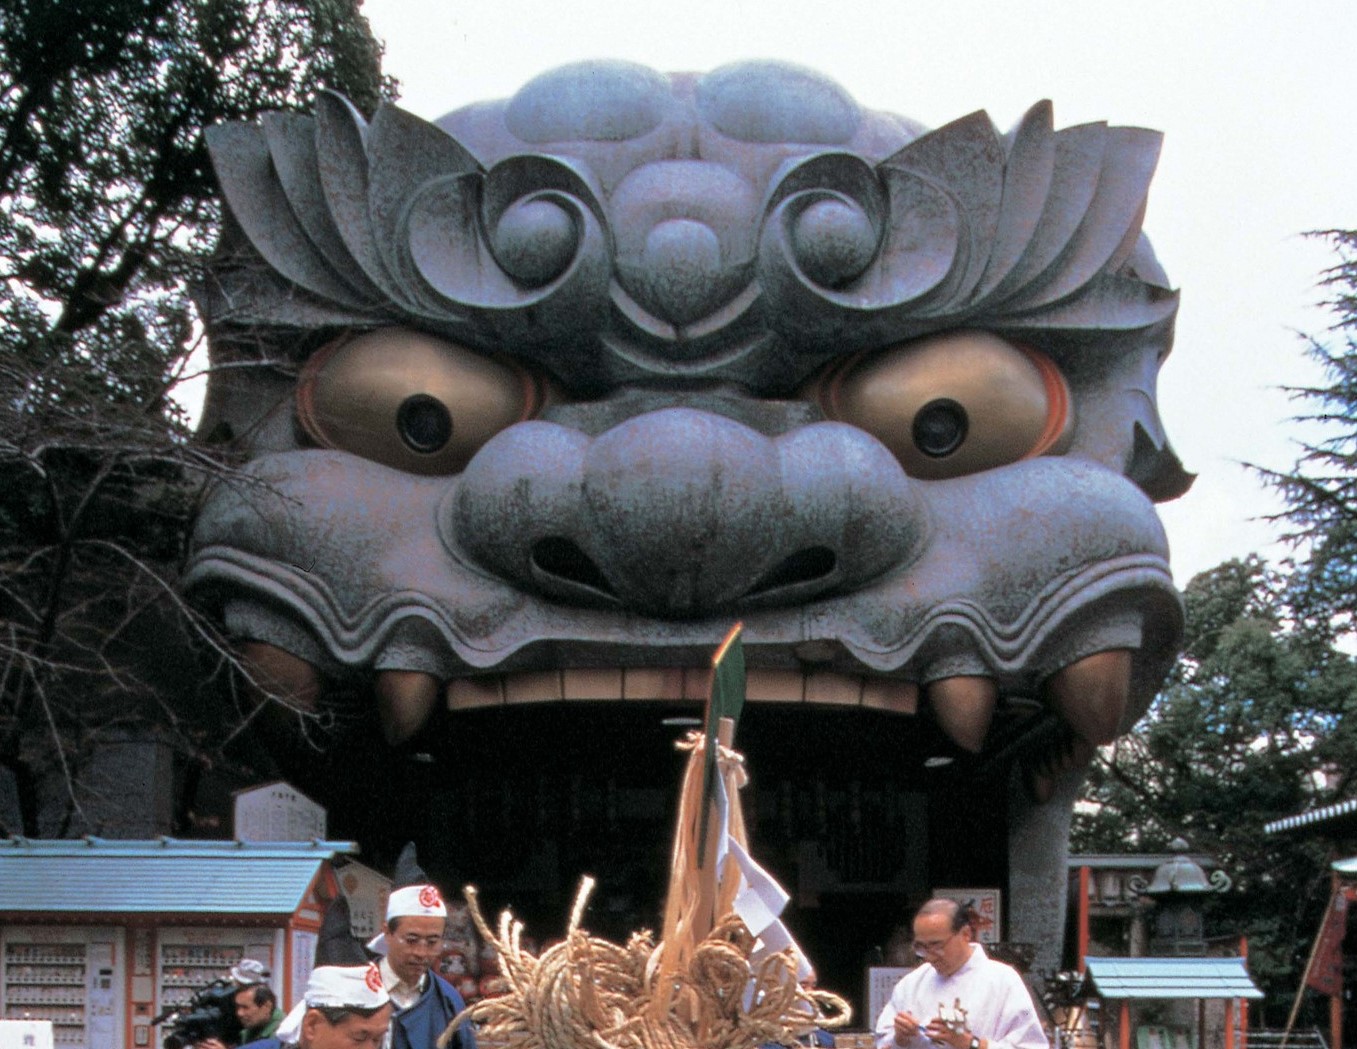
x,y
403,995
977,955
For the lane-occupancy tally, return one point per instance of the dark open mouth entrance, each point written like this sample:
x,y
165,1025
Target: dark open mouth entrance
x,y
855,812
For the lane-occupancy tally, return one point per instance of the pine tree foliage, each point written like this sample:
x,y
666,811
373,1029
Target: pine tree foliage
x,y
1320,491
107,209
1259,719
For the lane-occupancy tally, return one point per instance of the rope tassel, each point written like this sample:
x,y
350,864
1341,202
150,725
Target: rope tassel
x,y
725,973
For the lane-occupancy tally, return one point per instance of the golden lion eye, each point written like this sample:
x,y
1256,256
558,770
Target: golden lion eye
x,y
953,404
411,401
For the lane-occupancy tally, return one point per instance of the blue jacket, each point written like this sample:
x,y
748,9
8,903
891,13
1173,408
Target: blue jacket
x,y
817,1039
419,1026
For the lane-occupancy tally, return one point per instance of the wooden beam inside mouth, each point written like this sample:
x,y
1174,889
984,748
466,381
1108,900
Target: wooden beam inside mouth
x,y
680,683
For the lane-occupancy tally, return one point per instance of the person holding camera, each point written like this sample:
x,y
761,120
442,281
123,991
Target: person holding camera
x,y
253,1003
959,997
258,1012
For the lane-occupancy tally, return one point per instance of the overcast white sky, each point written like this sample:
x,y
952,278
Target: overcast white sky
x,y
1255,100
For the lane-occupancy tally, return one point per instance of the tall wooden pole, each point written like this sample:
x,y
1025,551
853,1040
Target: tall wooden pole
x,y
1309,965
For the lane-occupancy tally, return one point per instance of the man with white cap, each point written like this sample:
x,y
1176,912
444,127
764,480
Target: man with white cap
x,y
424,1002
343,1007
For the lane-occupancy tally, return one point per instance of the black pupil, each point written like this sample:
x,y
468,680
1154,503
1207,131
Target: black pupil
x,y
424,423
940,427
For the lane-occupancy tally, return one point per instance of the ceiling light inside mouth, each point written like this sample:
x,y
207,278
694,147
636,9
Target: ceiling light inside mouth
x,y
937,761
681,722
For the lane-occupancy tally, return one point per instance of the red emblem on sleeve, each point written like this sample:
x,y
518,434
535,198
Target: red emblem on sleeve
x,y
373,978
428,897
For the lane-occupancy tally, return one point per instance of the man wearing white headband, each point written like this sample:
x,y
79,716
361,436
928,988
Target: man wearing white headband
x,y
343,1007
425,1003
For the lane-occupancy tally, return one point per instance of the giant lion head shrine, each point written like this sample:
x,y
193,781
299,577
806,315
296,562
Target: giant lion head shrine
x,y
535,401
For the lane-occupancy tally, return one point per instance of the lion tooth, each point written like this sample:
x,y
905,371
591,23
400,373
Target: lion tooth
x,y
963,708
405,700
1091,694
278,674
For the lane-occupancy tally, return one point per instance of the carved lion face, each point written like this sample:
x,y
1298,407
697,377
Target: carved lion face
x,y
558,388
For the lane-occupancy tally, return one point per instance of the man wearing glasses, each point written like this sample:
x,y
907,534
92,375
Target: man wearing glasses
x,y
424,1002
959,997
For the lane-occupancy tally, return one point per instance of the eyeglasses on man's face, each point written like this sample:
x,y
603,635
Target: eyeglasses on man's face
x,y
923,948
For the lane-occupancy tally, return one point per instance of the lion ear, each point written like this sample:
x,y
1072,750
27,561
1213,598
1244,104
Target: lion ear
x,y
1047,212
333,221
966,157
321,200
404,153
1030,231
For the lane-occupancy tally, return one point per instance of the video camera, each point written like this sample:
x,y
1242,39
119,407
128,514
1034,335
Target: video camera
x,y
210,1013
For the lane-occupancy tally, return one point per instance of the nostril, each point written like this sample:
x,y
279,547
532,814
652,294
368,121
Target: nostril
x,y
563,559
804,566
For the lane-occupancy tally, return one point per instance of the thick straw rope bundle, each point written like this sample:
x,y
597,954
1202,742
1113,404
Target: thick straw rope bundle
x,y
696,989
589,993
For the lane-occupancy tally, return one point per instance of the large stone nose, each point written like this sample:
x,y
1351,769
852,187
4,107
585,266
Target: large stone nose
x,y
683,513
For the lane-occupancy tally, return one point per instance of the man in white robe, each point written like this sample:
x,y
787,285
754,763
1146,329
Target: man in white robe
x,y
959,997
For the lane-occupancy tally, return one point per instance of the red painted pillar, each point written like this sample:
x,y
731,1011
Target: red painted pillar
x,y
1336,1001
1084,878
1125,1024
1229,1023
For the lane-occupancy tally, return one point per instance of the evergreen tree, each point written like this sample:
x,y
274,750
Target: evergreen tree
x,y
1254,724
107,208
1257,722
1320,491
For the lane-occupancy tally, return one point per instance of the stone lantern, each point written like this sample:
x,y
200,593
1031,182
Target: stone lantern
x,y
1178,889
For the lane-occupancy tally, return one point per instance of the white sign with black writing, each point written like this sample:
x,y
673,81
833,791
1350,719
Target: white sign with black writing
x,y
881,980
366,891
277,812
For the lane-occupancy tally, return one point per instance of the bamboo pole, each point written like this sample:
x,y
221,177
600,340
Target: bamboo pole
x,y
1309,965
